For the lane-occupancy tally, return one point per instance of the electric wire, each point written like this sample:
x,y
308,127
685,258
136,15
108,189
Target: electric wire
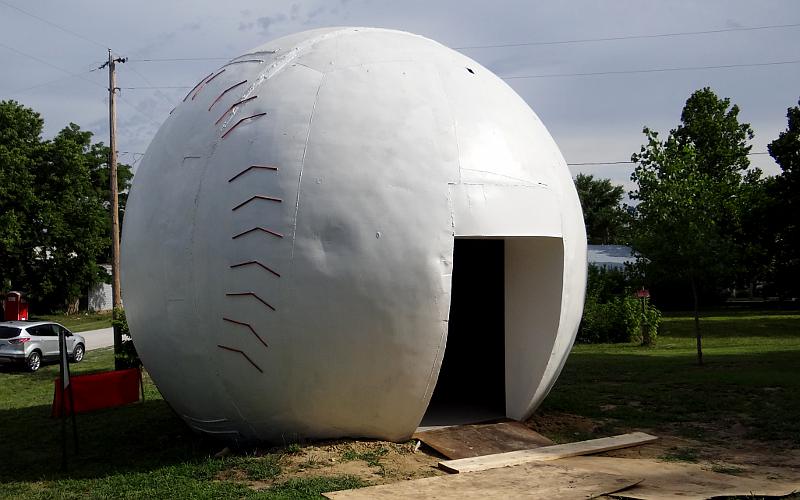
x,y
628,37
157,87
48,63
176,59
44,84
66,30
593,73
652,70
628,162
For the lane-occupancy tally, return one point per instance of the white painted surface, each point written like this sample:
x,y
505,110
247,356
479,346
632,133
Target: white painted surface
x,y
387,145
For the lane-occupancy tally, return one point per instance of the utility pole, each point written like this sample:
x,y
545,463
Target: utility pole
x,y
112,166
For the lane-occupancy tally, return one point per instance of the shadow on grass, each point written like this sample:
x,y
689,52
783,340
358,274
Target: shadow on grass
x,y
136,438
734,395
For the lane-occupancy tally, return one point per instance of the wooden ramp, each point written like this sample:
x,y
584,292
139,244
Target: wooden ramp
x,y
546,453
474,440
523,481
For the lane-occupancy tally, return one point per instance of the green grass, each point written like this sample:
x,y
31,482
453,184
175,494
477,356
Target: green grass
x,y
139,451
145,451
80,322
749,378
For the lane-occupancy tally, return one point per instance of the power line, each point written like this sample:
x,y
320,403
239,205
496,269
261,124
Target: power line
x,y
65,30
70,73
173,59
543,42
150,84
38,85
554,75
628,162
651,70
156,87
626,37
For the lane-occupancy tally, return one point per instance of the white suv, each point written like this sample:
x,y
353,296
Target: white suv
x,y
31,342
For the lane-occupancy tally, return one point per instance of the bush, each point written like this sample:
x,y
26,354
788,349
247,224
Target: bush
x,y
127,357
612,314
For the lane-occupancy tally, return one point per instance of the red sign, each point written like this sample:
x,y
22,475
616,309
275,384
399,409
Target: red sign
x,y
99,390
643,293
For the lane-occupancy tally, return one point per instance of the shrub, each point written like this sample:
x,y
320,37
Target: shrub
x,y
612,314
127,357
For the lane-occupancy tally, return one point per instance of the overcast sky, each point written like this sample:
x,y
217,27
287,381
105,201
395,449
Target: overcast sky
x,y
592,117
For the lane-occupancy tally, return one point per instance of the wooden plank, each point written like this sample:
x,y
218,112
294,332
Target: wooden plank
x,y
673,481
548,481
546,453
474,440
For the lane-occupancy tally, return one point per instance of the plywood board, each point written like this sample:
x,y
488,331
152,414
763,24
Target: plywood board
x,y
546,453
548,481
463,441
671,481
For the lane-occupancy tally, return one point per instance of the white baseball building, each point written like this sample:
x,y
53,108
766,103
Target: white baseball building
x,y
348,232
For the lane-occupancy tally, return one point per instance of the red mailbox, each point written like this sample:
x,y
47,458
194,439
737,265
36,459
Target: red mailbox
x,y
16,307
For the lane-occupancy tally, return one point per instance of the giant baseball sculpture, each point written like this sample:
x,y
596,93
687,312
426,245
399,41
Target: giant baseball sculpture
x,y
288,242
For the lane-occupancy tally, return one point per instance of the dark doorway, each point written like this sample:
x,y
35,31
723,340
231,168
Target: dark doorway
x,y
471,384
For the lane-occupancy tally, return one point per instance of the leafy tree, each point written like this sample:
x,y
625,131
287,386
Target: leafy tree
x,y
54,210
690,189
20,150
603,214
96,158
786,210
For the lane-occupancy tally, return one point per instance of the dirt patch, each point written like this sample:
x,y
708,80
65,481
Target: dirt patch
x,y
374,462
722,449
566,428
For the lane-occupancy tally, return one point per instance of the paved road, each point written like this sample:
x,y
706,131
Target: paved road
x,y
95,339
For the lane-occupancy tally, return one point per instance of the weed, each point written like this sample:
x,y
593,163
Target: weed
x,y
260,468
726,469
676,454
311,487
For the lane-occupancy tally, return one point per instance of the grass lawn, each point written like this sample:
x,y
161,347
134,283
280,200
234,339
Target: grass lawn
x,y
139,451
750,382
80,322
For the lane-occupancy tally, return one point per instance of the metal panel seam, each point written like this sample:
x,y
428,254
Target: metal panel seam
x,y
303,164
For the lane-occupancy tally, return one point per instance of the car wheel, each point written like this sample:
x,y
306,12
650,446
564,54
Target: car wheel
x,y
77,354
34,361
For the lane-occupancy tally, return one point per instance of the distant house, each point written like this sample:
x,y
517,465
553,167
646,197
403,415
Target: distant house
x,y
100,297
610,256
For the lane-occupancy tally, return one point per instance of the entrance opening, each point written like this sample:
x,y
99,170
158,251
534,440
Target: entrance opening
x,y
471,383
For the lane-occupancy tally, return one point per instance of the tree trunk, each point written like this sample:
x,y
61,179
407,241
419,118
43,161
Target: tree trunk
x,y
697,323
73,306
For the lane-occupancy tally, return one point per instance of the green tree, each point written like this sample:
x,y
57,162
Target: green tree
x,y
786,210
20,150
54,210
605,218
70,230
690,189
96,160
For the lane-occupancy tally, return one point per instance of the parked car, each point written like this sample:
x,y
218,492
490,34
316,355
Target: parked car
x,y
29,343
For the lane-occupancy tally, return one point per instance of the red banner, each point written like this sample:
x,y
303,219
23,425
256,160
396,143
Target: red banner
x,y
99,390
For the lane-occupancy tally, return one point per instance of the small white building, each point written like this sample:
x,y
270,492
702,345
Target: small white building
x,y
100,297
